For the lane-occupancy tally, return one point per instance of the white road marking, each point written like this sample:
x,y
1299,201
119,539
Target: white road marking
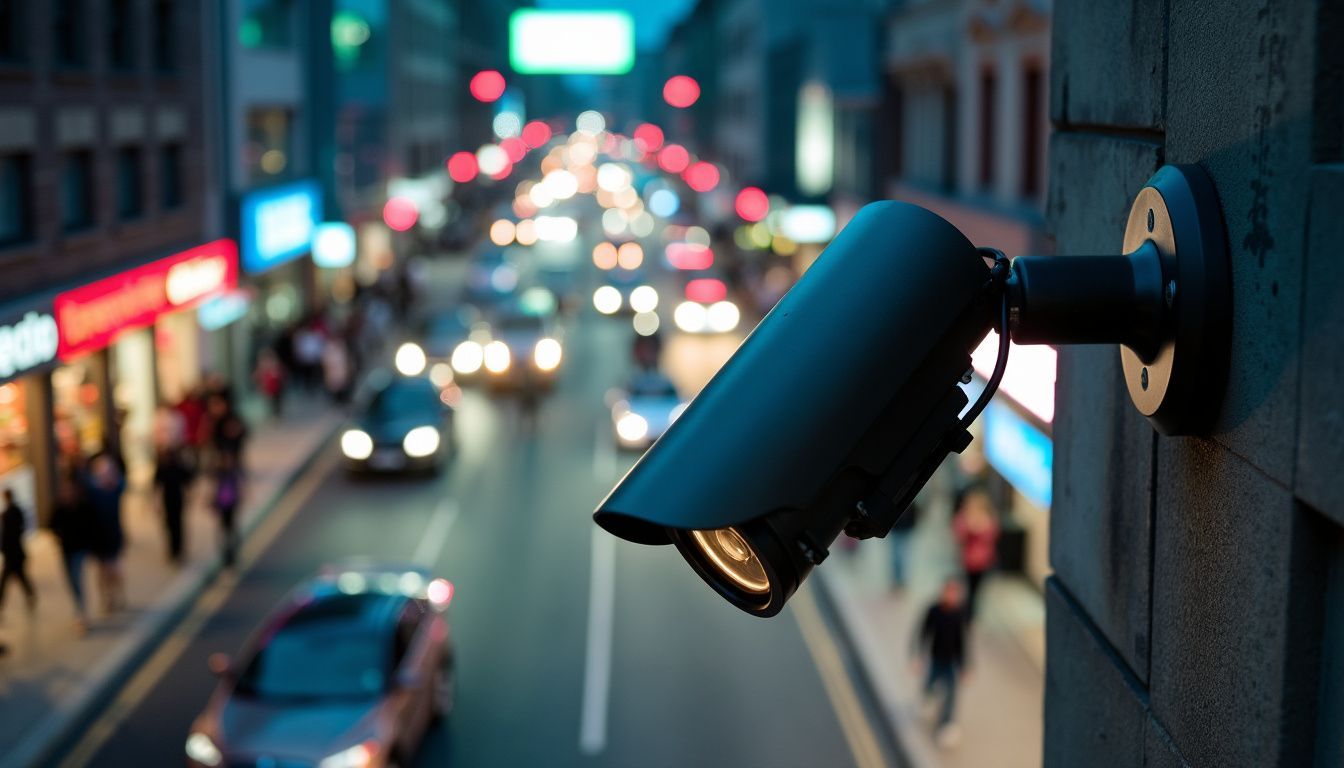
x,y
597,665
604,455
435,537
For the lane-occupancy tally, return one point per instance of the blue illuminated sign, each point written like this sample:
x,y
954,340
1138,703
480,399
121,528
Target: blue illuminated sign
x,y
221,310
1020,452
334,245
278,224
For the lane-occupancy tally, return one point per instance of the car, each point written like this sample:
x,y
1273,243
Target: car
x,y
624,292
525,350
492,278
400,423
706,309
352,669
455,338
643,411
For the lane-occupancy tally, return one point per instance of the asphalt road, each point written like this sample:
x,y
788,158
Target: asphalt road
x,y
573,648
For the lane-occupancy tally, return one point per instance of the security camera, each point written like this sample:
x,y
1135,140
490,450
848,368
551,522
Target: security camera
x,y
839,406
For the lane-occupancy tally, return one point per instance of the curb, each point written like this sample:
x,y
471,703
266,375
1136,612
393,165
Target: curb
x,y
48,743
897,707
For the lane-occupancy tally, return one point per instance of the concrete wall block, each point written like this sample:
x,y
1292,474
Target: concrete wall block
x,y
1239,105
1093,715
1107,64
1320,441
1100,527
1223,562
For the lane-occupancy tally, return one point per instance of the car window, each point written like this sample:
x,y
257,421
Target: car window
x,y
402,399
519,323
328,652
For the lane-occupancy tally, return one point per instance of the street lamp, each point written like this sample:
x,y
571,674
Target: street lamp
x,y
840,405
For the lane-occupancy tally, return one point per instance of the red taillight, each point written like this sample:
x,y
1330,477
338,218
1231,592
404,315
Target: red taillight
x,y
440,593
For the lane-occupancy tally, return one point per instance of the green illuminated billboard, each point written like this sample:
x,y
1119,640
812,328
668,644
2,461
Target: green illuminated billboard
x,y
571,42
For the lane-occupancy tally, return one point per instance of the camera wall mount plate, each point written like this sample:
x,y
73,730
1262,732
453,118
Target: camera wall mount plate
x,y
1180,387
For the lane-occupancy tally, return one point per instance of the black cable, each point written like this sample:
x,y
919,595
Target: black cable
x,y
998,277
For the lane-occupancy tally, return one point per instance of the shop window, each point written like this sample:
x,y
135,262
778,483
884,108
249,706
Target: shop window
x,y
13,427
77,190
170,176
165,36
130,184
267,24
988,83
16,213
12,19
121,34
69,46
269,144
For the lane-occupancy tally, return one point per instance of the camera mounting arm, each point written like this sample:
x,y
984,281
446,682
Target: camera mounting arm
x,y
1166,302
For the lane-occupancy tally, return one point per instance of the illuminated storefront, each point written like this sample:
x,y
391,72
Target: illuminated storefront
x,y
28,342
276,227
128,344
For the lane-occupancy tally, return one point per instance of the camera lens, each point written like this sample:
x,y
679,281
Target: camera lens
x,y
734,558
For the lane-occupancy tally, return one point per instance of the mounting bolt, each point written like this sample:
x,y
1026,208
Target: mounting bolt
x,y
1143,379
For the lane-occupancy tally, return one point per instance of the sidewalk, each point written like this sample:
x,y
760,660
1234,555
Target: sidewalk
x,y
999,706
52,680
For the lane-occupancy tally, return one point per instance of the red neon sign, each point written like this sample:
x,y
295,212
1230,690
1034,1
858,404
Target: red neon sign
x,y
88,318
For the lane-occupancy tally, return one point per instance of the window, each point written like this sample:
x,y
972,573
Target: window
x,y
16,213
269,144
77,190
170,176
267,24
12,48
130,185
987,121
121,34
165,36
1033,135
69,48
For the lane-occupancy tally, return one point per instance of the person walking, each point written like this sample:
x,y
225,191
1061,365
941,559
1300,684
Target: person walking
x,y
73,526
172,476
270,380
942,641
104,488
12,524
976,530
227,429
899,539
228,494
336,374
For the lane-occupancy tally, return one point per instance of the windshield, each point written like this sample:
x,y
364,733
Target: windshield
x,y
318,654
403,399
520,323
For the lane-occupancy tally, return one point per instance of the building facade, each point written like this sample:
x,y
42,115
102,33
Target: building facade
x,y
1197,612
103,239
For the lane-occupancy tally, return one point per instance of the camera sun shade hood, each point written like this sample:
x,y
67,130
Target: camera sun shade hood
x,y
803,401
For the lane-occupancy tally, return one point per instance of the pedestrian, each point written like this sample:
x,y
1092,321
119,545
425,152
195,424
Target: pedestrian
x,y
336,369
227,430
228,493
74,527
270,379
309,341
192,409
172,476
942,641
977,533
106,483
899,539
12,524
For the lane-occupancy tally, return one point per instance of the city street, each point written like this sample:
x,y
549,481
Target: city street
x,y
573,647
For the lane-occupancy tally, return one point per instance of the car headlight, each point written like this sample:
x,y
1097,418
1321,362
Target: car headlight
x,y
723,316
691,316
632,427
358,756
644,299
467,357
356,444
547,354
607,300
410,359
421,442
497,356
203,750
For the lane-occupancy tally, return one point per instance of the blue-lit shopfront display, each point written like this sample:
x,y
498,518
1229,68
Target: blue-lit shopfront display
x,y
1020,452
278,224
